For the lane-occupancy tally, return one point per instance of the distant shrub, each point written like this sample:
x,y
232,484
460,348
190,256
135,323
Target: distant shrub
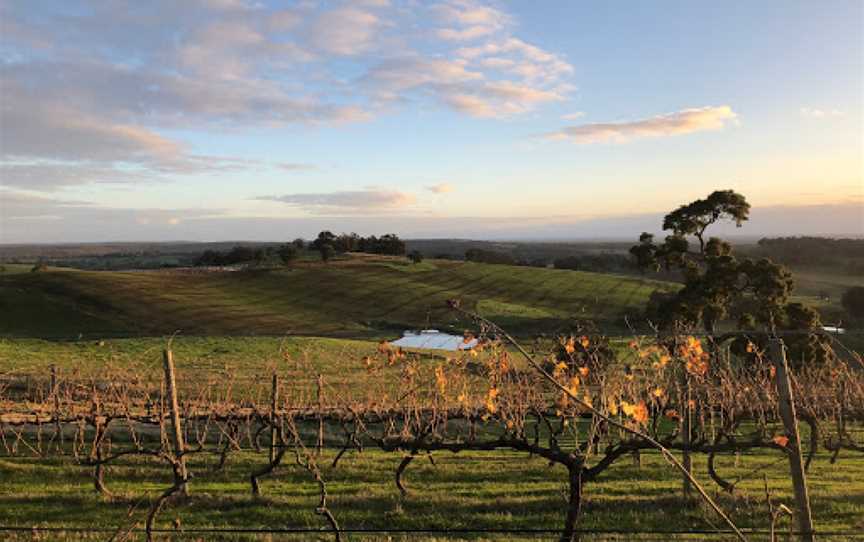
x,y
853,302
569,262
489,256
287,253
236,255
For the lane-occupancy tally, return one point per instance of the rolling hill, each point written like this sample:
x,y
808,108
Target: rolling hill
x,y
358,297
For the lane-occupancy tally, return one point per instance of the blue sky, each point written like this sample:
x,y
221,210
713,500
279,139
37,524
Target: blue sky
x,y
235,119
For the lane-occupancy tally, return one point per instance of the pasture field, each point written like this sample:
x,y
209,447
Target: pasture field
x,y
812,282
358,297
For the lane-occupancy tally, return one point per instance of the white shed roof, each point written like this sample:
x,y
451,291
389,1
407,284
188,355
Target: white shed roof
x,y
434,340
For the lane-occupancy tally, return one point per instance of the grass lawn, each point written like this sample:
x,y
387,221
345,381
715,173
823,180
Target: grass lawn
x,y
488,490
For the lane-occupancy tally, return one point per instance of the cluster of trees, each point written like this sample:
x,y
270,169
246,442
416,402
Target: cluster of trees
x,y
489,256
598,263
248,255
718,285
853,302
326,244
846,254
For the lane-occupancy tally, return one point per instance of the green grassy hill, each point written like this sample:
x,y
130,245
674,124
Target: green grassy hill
x,y
357,297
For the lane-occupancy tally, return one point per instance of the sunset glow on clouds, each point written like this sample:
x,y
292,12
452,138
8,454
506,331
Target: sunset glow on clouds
x,y
671,124
183,114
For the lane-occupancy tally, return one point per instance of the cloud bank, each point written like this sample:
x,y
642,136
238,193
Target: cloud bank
x,y
346,201
440,188
30,219
686,121
99,89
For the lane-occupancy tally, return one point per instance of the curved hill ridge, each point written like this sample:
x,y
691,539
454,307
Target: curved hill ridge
x,y
358,297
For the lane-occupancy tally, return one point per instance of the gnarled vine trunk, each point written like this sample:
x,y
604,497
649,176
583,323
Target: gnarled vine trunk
x,y
574,503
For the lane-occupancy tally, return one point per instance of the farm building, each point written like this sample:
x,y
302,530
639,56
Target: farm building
x,y
435,340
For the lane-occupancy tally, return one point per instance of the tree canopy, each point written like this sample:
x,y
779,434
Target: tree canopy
x,y
718,286
853,302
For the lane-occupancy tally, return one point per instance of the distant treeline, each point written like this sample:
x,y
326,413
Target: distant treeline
x,y
111,262
388,244
237,255
596,262
326,244
841,254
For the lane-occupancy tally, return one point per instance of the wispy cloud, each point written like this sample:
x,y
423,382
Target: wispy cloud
x,y
573,116
351,201
113,86
291,166
440,188
344,31
815,113
472,20
681,122
33,217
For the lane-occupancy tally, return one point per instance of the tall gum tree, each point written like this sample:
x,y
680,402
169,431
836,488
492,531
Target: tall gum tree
x,y
718,286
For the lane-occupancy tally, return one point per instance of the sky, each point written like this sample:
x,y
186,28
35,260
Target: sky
x,y
203,120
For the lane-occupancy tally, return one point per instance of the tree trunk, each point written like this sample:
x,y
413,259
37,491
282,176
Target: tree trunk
x,y
574,505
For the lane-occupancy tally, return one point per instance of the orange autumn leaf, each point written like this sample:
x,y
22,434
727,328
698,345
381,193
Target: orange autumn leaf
x,y
781,440
573,388
640,412
627,408
440,380
559,369
583,371
491,396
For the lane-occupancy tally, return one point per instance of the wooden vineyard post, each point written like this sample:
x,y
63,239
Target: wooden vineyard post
x,y
176,429
274,401
793,446
320,395
687,435
55,394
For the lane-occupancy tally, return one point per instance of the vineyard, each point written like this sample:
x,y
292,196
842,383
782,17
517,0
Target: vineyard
x,y
549,441
364,296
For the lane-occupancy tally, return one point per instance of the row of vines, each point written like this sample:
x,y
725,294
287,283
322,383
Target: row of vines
x,y
581,402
